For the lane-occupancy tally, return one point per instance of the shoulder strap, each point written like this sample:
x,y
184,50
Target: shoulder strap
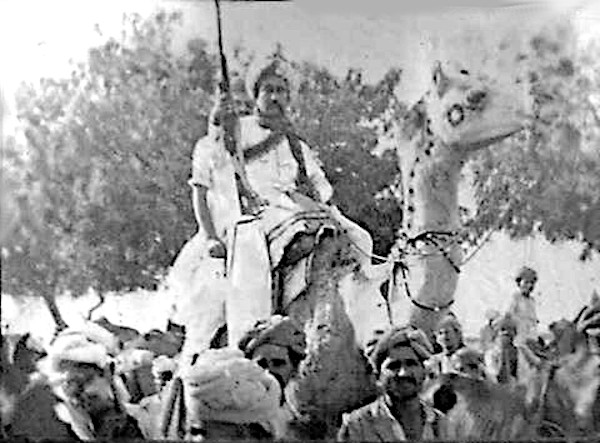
x,y
303,183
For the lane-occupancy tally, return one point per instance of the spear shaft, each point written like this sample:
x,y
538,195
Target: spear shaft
x,y
249,201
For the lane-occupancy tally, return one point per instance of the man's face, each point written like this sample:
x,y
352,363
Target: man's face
x,y
526,286
86,386
448,338
402,373
273,96
276,360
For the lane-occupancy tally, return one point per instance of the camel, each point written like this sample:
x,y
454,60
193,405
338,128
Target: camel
x,y
462,113
341,304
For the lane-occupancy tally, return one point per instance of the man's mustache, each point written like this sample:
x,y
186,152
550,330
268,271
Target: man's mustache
x,y
275,104
404,379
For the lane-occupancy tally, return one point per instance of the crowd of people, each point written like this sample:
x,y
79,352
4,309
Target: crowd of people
x,y
79,388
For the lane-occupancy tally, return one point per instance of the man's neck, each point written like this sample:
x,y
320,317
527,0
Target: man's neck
x,y
409,413
404,406
274,122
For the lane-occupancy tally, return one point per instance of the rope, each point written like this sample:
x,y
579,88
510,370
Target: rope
x,y
397,260
416,302
477,248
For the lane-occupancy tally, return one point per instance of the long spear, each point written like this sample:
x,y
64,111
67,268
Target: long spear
x,y
249,201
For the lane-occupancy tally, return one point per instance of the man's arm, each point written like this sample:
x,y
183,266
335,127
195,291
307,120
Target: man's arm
x,y
202,212
200,182
216,249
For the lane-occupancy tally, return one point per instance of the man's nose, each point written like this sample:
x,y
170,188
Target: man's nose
x,y
402,371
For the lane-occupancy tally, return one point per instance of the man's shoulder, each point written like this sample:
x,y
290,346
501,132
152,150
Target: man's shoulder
x,y
369,411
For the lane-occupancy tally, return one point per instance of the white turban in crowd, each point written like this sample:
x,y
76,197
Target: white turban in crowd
x,y
223,385
89,343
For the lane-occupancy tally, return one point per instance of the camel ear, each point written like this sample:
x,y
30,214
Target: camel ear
x,y
440,80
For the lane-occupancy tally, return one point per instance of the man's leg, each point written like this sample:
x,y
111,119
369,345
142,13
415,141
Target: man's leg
x,y
250,275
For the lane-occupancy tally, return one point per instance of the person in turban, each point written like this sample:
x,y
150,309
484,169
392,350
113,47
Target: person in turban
x,y
398,358
277,345
226,396
522,307
79,399
448,335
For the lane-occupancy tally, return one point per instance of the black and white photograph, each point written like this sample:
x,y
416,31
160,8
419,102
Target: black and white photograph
x,y
297,220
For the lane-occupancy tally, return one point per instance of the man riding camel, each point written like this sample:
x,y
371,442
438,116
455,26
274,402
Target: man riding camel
x,y
262,208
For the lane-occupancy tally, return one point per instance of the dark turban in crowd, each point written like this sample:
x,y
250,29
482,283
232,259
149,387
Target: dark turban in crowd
x,y
277,331
384,341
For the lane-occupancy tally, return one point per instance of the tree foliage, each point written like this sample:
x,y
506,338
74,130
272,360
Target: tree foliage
x,y
102,176
548,180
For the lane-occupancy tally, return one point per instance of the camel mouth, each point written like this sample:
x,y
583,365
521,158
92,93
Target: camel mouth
x,y
497,138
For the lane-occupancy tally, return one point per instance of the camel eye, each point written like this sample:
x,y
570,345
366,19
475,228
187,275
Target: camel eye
x,y
456,115
464,72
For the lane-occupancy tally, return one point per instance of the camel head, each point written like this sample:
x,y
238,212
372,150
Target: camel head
x,y
469,111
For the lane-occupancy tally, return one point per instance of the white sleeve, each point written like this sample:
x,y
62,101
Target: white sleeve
x,y
201,162
316,174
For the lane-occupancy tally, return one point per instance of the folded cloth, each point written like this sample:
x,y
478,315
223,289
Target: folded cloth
x,y
277,330
222,385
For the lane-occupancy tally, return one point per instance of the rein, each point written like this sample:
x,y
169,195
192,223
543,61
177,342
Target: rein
x,y
397,259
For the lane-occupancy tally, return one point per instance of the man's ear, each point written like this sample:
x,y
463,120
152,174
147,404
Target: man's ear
x,y
440,81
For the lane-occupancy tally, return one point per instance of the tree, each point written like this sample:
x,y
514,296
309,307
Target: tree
x,y
102,178
548,180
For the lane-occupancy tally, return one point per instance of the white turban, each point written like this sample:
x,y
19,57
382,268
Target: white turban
x,y
222,385
89,343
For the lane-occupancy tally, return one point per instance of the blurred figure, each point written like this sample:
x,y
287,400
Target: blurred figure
x,y
486,334
398,414
468,363
522,307
78,398
449,336
501,360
